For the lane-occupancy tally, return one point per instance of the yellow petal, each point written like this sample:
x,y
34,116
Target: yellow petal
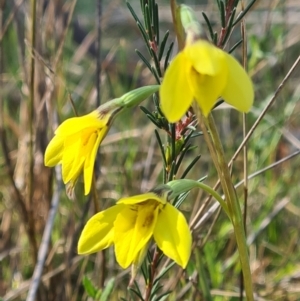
x,y
98,232
172,235
91,157
54,151
175,94
133,229
141,198
207,89
76,124
238,91
205,57
138,261
72,159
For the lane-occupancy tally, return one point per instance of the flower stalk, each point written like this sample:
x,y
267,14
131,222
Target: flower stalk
x,y
213,141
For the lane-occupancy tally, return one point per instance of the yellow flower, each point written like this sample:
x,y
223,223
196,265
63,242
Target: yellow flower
x,y
75,146
77,139
131,223
204,72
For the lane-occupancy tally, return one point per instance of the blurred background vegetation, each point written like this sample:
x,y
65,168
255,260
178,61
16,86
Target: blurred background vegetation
x,y
130,162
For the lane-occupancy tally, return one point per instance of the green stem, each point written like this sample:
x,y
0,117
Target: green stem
x,y
177,24
190,184
212,192
216,149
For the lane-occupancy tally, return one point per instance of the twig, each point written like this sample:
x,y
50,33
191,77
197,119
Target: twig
x,y
156,255
9,19
258,120
102,270
268,219
38,270
98,52
245,151
72,242
31,135
13,294
177,25
62,41
5,150
216,205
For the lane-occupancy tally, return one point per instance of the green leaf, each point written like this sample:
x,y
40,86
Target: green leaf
x,y
163,45
222,14
184,185
235,46
243,13
164,271
137,293
211,32
89,287
161,147
229,27
169,53
190,166
143,59
156,22
203,279
136,18
163,296
107,290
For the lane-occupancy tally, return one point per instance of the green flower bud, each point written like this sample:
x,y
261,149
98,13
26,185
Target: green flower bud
x,y
189,21
135,97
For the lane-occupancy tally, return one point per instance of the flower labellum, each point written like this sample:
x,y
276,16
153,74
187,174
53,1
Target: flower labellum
x,y
131,223
203,72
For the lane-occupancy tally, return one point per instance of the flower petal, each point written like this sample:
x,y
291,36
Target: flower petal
x,y
92,148
98,232
205,57
138,261
141,198
172,235
238,91
76,124
175,95
72,159
133,229
207,89
54,151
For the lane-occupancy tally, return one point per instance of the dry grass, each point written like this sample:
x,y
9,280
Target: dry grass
x,y
32,104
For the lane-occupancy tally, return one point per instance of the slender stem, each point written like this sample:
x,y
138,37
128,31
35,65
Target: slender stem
x,y
31,130
156,256
177,24
228,12
263,113
43,249
60,48
98,52
103,271
230,195
245,152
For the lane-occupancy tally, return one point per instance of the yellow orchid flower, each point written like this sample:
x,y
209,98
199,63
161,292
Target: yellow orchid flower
x,y
75,146
77,139
131,223
203,72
